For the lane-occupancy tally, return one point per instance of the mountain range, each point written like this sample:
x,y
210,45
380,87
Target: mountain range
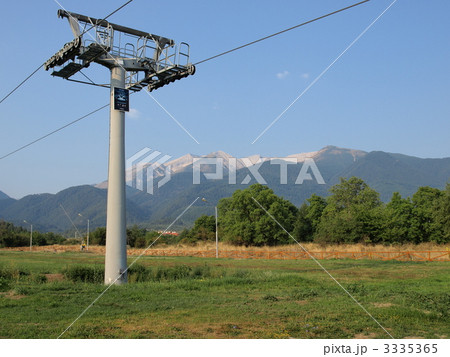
x,y
3,196
385,172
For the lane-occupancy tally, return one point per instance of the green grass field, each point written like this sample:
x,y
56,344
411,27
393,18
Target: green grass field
x,y
223,298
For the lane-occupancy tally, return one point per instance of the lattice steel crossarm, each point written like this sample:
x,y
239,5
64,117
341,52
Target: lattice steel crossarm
x,y
151,60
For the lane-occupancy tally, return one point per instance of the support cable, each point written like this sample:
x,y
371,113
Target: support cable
x,y
280,32
52,132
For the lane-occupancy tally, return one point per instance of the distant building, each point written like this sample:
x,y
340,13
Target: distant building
x,y
169,233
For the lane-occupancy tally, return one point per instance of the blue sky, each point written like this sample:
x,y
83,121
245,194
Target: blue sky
x,y
389,92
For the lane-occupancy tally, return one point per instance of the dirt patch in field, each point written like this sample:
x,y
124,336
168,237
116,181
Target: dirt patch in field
x,y
12,295
365,336
54,277
302,302
382,304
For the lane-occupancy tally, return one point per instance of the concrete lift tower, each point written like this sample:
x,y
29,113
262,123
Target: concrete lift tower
x,y
136,60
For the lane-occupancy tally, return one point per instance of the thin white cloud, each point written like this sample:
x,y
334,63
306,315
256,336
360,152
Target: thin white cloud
x,y
305,75
282,75
134,113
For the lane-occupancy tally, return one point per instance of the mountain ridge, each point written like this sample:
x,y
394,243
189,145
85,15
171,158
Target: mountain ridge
x,y
3,196
385,172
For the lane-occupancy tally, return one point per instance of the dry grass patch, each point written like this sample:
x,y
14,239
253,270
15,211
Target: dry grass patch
x,y
382,304
363,335
54,277
12,295
210,246
301,302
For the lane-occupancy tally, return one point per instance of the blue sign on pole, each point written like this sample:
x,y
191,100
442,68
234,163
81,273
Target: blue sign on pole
x,y
121,99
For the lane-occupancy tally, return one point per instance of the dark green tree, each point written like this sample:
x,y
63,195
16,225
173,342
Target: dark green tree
x,y
424,227
442,216
352,192
317,205
53,238
39,239
12,236
135,233
303,228
204,228
308,218
398,220
98,236
353,214
244,222
186,236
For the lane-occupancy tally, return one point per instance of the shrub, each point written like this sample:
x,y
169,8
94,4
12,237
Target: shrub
x,y
172,273
5,284
139,273
98,236
40,279
85,273
140,242
22,290
203,271
6,273
357,288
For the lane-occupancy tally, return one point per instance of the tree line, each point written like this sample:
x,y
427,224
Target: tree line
x,y
256,216
352,213
137,237
14,236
